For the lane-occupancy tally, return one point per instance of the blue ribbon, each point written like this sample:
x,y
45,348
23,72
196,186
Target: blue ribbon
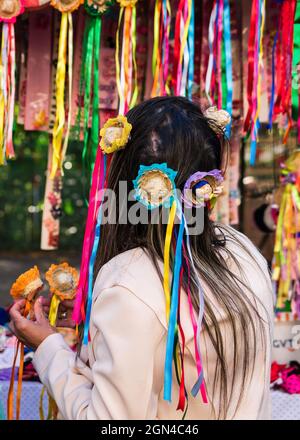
x,y
173,313
191,40
92,264
227,42
272,101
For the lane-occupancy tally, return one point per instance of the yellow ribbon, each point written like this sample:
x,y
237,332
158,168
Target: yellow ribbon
x,y
117,58
168,239
58,129
185,32
156,62
133,39
70,72
2,105
55,301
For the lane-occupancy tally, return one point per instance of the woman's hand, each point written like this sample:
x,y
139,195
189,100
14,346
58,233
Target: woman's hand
x,y
65,310
31,333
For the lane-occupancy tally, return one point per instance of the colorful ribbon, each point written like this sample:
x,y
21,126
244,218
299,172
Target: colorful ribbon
x,y
173,314
7,92
65,41
126,70
228,62
296,70
92,259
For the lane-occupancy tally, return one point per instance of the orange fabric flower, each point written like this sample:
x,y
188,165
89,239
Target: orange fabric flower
x,y
27,284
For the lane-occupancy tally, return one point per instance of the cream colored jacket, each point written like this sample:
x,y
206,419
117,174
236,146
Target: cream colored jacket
x,y
120,374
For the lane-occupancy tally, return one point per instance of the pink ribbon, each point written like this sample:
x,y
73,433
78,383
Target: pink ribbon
x,y
94,203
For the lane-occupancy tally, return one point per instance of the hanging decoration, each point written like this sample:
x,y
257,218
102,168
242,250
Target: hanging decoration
x,y
284,60
255,70
9,10
296,71
286,264
25,287
89,82
126,67
115,135
65,46
161,48
218,81
183,63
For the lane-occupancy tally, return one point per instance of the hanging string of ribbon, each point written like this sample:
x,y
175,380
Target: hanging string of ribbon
x,y
161,48
296,71
183,73
65,51
89,87
218,81
126,67
255,71
284,57
7,87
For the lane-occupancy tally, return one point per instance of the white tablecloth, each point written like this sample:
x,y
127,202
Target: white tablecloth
x,y
284,406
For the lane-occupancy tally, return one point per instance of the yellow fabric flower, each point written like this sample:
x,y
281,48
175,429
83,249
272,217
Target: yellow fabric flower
x,y
63,280
66,5
127,3
27,284
115,134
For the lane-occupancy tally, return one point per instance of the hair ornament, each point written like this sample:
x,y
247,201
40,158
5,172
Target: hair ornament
x,y
115,134
155,185
203,188
217,119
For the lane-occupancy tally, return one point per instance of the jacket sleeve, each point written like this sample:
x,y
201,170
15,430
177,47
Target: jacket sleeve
x,y
119,385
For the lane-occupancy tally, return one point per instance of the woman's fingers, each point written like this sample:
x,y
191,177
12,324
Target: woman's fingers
x,y
17,310
39,312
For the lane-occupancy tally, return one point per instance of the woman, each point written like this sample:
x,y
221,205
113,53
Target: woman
x,y
120,374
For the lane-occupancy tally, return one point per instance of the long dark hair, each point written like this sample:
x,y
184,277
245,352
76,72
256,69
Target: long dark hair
x,y
175,130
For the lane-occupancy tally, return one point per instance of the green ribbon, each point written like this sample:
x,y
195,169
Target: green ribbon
x,y
90,71
88,63
296,64
95,110
224,76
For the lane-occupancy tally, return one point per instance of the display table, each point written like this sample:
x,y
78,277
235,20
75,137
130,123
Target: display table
x,y
30,400
284,406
